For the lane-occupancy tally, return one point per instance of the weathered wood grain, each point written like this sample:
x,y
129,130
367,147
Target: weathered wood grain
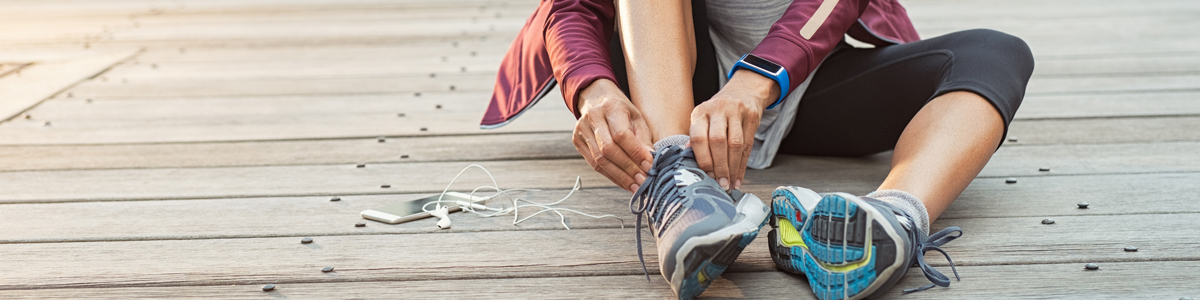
x,y
340,116
40,80
1048,196
345,179
1122,281
466,148
554,145
584,252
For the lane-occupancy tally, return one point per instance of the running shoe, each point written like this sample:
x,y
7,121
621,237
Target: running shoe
x,y
850,247
699,228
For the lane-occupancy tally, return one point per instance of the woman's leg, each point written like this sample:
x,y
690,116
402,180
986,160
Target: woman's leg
x,y
943,148
660,57
943,104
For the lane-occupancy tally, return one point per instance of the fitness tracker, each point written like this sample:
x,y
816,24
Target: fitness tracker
x,y
765,68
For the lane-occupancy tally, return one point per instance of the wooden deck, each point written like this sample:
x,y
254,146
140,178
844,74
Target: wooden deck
x,y
181,149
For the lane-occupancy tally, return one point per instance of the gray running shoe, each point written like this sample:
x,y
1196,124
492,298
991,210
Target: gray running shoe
x,y
850,247
699,228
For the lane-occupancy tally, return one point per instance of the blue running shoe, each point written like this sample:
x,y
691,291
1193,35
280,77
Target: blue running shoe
x,y
699,228
850,247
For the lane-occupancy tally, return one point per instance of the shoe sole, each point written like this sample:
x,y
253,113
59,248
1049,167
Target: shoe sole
x,y
703,258
837,248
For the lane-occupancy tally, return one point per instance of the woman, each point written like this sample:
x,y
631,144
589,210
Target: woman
x,y
685,96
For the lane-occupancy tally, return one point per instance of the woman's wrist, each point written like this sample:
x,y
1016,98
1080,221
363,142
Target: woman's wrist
x,y
765,91
597,90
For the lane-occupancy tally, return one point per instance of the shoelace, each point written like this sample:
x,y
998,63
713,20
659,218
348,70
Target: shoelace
x,y
933,242
658,187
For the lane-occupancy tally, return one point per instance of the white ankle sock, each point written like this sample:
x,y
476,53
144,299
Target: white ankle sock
x,y
678,139
907,203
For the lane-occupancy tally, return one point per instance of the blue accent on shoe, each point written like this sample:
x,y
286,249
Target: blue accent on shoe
x,y
858,243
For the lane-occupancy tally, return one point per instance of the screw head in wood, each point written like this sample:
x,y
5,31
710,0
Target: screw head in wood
x,y
268,288
28,116
361,166
403,155
1048,221
1014,140
417,94
306,241
360,224
439,106
401,115
1010,180
1130,249
1043,169
1091,267
385,186
424,129
432,75
382,139
1082,205
46,124
452,88
327,269
335,199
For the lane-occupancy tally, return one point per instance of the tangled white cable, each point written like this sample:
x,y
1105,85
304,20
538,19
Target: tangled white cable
x,y
476,208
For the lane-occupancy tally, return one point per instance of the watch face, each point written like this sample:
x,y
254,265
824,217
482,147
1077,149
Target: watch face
x,y
762,64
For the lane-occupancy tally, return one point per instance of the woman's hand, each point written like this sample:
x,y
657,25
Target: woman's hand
x,y
723,127
612,135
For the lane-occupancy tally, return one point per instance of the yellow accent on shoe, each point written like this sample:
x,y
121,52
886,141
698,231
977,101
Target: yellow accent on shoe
x,y
700,277
851,267
788,235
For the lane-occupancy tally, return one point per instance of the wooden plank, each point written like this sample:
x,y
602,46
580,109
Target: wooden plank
x,y
1163,103
560,253
345,179
41,80
553,145
1120,281
754,285
250,121
317,216
1104,130
176,119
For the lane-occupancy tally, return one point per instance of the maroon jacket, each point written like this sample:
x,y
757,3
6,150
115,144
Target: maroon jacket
x,y
566,41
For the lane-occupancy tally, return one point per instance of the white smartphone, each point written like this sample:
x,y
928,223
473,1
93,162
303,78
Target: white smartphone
x,y
411,210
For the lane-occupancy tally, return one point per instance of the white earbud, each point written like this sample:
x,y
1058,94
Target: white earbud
x,y
443,214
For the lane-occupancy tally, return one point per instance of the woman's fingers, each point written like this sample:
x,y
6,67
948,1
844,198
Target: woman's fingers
x,y
699,141
634,149
718,145
595,155
737,140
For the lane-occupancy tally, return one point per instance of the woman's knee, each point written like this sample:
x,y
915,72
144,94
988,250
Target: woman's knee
x,y
1011,50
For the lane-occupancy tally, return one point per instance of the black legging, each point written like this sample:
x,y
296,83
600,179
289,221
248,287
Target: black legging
x,y
860,100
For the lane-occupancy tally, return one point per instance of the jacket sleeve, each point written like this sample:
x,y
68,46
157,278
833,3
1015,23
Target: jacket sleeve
x,y
577,34
806,32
